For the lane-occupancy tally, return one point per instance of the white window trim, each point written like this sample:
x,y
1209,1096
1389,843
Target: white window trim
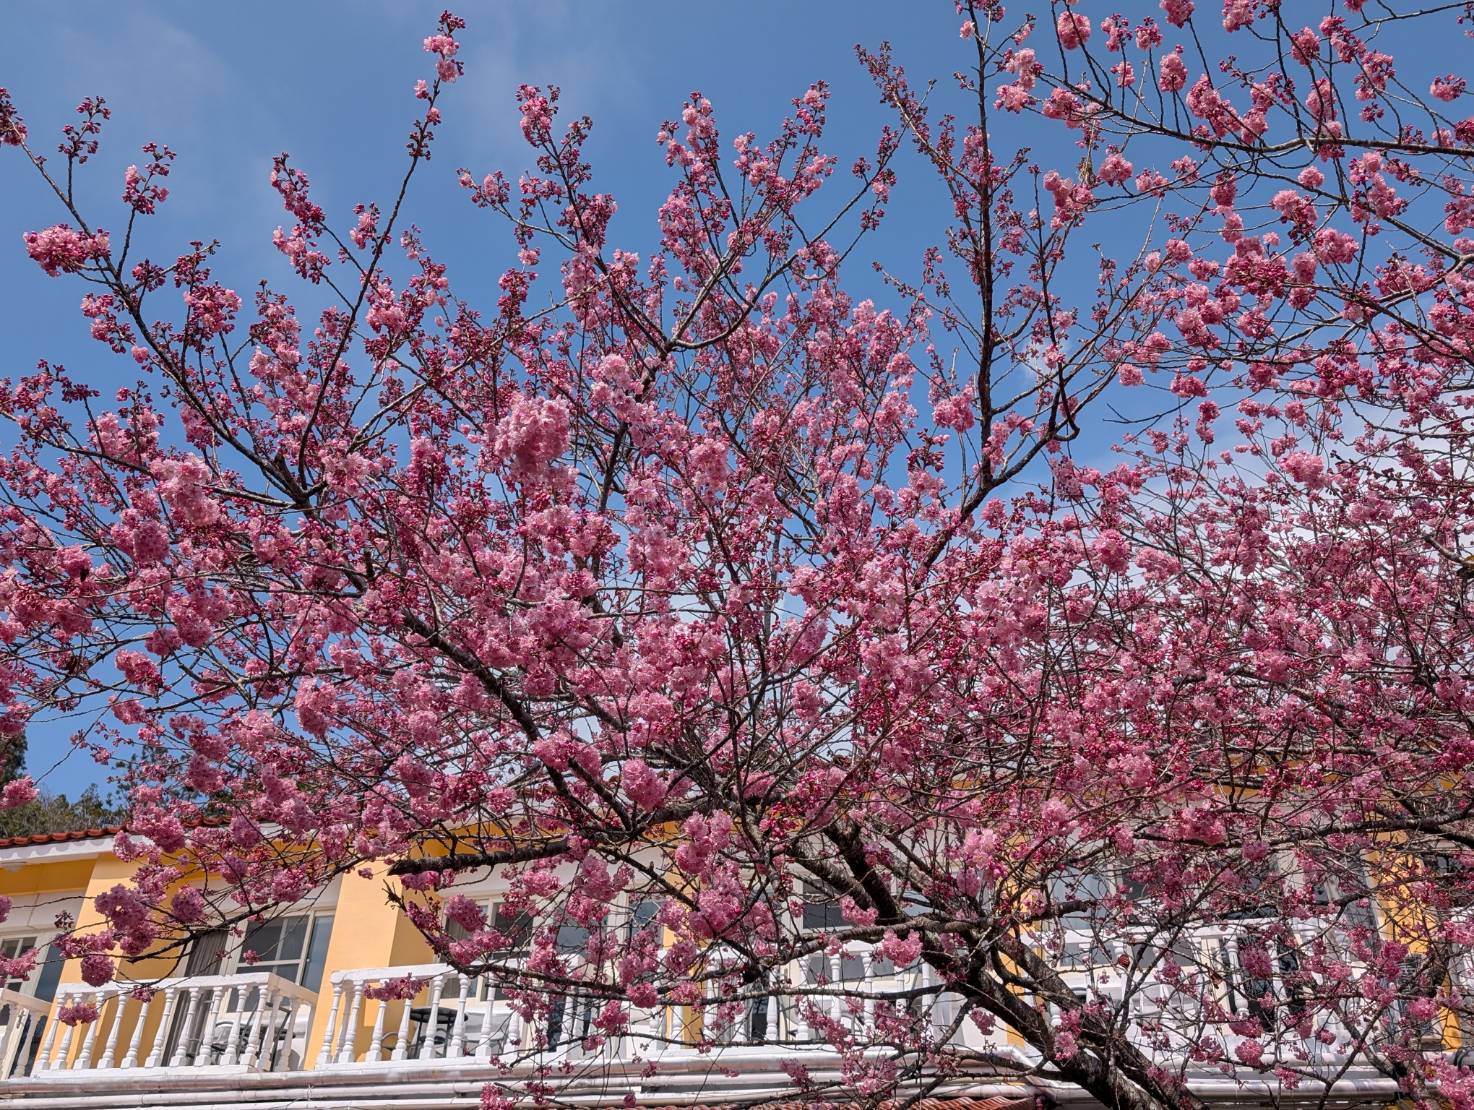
x,y
235,962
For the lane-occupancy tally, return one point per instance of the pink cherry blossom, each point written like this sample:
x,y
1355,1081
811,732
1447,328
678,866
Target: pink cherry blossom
x,y
64,250
744,590
1072,28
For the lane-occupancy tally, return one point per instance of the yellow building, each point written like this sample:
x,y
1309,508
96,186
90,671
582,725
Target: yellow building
x,y
291,1012
338,1002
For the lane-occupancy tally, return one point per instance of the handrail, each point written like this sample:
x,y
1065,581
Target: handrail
x,y
12,997
247,1019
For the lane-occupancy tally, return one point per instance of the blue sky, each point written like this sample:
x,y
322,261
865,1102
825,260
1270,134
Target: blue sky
x,y
231,85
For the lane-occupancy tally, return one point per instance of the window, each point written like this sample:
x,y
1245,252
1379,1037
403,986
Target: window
x,y
294,947
12,947
822,914
1257,890
1079,927
644,914
1345,899
1257,987
516,926
43,981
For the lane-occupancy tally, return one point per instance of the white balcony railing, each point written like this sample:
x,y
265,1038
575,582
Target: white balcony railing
x,y
456,1016
21,1019
253,1021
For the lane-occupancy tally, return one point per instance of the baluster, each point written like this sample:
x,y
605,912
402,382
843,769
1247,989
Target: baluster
x,y
161,1035
458,1031
376,1039
135,1039
516,1031
283,1017
18,1033
401,1040
43,1061
327,1052
12,1040
67,1038
110,1049
925,980
802,1002
257,1021
488,1021
233,1037
217,996
867,971
192,1007
84,1056
836,984
350,1024
437,988
9,1033
25,1033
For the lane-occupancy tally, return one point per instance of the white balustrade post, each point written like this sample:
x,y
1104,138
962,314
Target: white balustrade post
x,y
401,1040
283,1016
350,1024
84,1055
217,1010
43,1061
330,1028
437,988
192,1007
836,986
9,1035
13,1039
488,1025
130,1057
237,1015
25,1033
257,1020
458,1032
161,1034
110,1049
376,1038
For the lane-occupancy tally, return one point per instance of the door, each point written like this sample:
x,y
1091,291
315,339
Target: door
x,y
206,955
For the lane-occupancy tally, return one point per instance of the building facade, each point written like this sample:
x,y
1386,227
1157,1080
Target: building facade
x,y
339,1002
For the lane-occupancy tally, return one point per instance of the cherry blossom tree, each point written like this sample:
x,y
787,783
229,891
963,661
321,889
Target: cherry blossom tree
x,y
1070,628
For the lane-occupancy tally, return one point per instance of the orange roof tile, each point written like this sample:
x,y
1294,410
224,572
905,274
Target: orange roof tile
x,y
57,837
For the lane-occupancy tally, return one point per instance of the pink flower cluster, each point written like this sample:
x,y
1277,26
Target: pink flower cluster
x,y
62,249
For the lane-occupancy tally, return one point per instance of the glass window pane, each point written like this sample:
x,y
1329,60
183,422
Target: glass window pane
x,y
644,913
317,951
572,938
822,915
276,941
293,938
262,940
50,974
10,948
515,925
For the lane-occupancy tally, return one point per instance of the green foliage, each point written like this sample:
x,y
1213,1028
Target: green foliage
x,y
12,756
57,813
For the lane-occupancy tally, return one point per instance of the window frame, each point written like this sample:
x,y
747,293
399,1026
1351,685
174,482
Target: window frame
x,y
42,941
235,962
